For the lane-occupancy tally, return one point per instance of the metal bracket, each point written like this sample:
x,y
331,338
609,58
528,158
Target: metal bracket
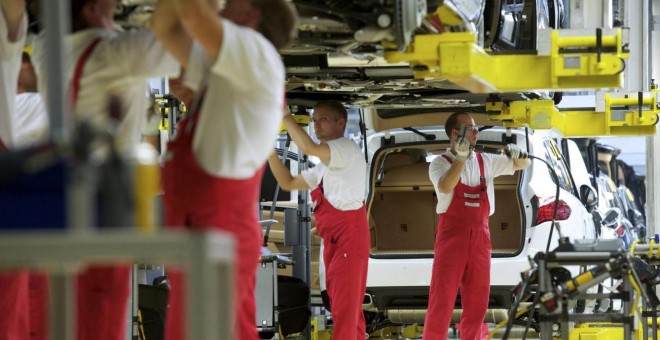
x,y
619,114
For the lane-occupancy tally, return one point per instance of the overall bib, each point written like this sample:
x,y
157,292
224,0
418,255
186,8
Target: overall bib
x,y
462,259
197,200
346,254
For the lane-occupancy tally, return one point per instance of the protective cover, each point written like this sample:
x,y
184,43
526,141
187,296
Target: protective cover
x,y
293,295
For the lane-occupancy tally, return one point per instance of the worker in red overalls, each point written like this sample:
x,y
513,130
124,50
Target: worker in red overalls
x,y
100,64
463,182
23,122
339,187
213,166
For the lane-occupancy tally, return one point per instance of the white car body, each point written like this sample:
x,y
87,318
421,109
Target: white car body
x,y
398,278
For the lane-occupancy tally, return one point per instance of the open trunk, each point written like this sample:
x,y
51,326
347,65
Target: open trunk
x,y
402,205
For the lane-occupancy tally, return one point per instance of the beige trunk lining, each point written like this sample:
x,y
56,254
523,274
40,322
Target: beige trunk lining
x,y
403,217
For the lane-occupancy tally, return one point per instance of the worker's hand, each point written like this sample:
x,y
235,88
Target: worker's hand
x,y
462,149
514,151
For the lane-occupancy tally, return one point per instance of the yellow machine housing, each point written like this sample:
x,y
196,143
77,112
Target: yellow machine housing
x,y
622,115
567,60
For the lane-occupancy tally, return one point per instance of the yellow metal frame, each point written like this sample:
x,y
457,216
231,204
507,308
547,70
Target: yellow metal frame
x,y
458,58
302,120
316,334
543,114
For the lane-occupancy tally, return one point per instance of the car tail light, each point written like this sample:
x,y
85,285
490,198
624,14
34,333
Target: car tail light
x,y
546,207
620,230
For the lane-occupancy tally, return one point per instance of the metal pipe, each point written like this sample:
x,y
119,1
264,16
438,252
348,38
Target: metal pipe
x,y
647,31
56,27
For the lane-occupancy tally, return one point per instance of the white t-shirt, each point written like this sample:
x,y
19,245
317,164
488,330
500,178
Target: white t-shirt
x,y
494,165
120,65
31,123
10,65
243,106
344,178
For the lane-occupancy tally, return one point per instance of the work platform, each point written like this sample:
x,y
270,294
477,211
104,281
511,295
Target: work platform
x,y
207,257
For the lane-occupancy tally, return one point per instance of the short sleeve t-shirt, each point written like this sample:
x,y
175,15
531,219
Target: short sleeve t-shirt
x,y
10,64
119,66
244,102
344,177
494,165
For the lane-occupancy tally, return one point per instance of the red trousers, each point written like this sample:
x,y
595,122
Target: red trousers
x,y
248,254
103,295
195,199
24,305
14,303
345,255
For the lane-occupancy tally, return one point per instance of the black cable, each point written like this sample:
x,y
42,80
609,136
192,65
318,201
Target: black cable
x,y
530,316
514,307
623,67
363,131
426,136
554,212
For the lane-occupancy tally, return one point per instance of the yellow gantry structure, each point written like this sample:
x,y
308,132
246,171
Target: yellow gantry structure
x,y
566,60
623,115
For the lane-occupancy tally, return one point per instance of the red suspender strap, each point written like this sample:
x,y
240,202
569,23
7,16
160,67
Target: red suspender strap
x,y
3,148
448,159
195,110
77,73
481,165
482,174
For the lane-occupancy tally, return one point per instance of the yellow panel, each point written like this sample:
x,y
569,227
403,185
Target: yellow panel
x,y
588,41
302,120
596,332
147,186
448,17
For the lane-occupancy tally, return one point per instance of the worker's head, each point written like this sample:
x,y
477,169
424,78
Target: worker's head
x,y
179,90
92,14
453,127
329,120
27,78
276,20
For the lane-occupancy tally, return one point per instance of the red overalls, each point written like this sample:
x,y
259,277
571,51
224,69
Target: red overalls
x,y
24,305
195,199
346,254
462,259
14,300
24,300
103,290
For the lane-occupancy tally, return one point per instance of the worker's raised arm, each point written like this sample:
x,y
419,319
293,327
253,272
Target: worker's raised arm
x,y
167,26
283,175
12,11
305,142
200,18
449,180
